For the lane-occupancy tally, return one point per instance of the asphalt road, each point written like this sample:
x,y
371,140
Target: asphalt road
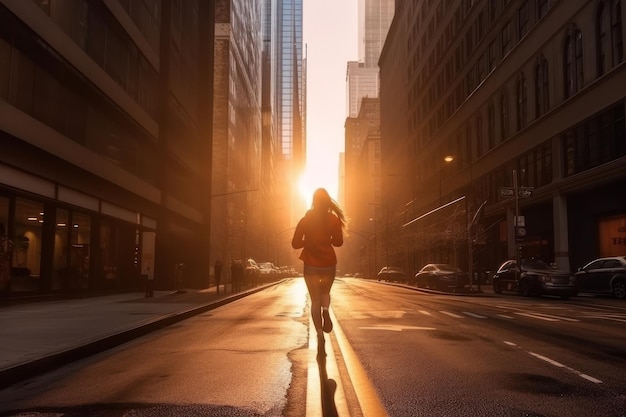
x,y
441,355
395,351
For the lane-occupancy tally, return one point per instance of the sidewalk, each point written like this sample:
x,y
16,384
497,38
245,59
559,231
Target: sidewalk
x,y
40,336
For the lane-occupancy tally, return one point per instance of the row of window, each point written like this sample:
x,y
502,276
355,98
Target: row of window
x,y
99,34
573,80
39,85
572,71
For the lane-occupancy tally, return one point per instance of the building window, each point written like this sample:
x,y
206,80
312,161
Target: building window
x,y
573,63
492,55
522,20
542,93
616,32
542,8
504,117
522,104
493,10
596,141
506,38
28,232
491,127
536,166
601,40
479,135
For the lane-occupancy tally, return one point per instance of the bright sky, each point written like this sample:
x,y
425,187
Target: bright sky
x,y
330,36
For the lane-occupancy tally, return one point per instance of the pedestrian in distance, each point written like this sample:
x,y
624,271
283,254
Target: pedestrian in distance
x,y
317,234
218,274
149,283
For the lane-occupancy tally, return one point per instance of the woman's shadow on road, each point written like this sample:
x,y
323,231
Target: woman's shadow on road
x,y
328,387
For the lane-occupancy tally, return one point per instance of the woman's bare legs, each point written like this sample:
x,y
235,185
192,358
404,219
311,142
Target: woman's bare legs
x,y
319,286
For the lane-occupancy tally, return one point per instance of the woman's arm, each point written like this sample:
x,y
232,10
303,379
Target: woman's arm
x,y
297,242
337,236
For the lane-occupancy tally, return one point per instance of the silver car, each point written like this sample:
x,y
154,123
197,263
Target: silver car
x,y
603,276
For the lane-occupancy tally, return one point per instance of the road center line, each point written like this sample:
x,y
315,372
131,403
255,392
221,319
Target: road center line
x,y
451,314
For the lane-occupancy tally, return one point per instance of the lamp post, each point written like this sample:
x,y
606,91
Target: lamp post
x,y
386,232
375,239
468,224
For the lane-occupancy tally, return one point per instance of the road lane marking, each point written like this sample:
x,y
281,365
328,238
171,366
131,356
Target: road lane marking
x,y
612,317
560,365
506,317
478,316
424,312
556,317
314,391
451,314
368,398
557,364
535,316
395,327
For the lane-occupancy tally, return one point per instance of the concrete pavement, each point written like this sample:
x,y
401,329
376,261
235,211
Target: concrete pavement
x,y
39,336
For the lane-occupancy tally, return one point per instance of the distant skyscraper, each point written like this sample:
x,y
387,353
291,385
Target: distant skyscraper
x,y
375,17
362,77
289,76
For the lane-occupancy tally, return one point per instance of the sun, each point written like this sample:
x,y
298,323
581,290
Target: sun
x,y
305,189
315,177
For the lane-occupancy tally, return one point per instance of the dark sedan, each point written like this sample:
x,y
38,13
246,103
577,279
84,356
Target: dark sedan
x,y
442,277
391,273
534,278
603,276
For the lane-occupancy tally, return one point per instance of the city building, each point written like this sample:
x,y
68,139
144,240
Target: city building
x,y
362,184
361,191
289,106
105,132
237,224
513,117
374,18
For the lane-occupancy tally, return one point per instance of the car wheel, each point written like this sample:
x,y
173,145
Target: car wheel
x,y
524,288
619,289
496,286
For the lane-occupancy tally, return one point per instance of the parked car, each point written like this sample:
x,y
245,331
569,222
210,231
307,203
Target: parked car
x,y
535,277
268,272
603,276
252,270
391,273
442,277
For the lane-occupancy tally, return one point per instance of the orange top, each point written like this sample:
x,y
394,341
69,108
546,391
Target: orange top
x,y
317,233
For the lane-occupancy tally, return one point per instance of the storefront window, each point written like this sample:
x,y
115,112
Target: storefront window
x,y
79,252
612,231
108,255
61,277
6,246
29,218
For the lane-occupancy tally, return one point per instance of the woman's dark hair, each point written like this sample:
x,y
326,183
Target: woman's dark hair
x,y
323,201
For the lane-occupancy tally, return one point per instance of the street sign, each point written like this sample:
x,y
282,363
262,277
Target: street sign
x,y
507,192
522,192
525,192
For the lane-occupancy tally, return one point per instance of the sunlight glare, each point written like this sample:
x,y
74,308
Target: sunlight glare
x,y
318,175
